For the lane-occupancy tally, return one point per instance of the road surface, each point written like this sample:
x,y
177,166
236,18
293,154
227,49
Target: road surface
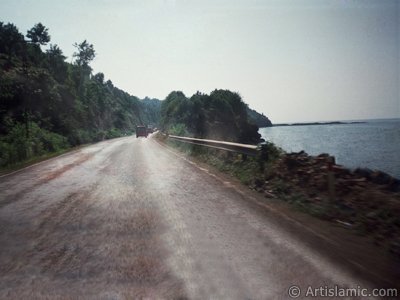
x,y
127,218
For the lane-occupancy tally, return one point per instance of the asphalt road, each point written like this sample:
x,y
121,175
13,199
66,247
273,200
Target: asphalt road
x,y
126,219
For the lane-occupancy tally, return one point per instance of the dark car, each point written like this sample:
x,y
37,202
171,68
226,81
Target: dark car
x,y
141,131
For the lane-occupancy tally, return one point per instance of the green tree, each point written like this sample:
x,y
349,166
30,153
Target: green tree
x,y
38,34
84,56
56,63
85,53
99,77
12,42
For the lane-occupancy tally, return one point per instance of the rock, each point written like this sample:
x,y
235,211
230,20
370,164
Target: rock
x,y
372,215
380,177
357,180
394,247
345,224
258,183
362,200
291,162
363,172
389,231
340,170
326,158
379,239
312,194
394,186
268,194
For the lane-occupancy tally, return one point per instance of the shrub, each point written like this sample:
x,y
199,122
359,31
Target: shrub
x,y
113,133
178,129
17,145
80,136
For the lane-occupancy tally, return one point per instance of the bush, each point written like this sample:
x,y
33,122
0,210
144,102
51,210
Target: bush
x,y
53,142
80,136
17,145
113,133
6,152
178,129
269,152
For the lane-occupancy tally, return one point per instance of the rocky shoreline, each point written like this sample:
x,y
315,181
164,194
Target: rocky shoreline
x,y
362,200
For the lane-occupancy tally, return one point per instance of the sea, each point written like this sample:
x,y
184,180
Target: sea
x,y
373,144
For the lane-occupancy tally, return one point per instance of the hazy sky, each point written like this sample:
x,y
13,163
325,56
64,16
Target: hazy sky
x,y
292,60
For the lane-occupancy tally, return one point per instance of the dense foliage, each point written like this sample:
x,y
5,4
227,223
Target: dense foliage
x,y
259,119
221,115
47,104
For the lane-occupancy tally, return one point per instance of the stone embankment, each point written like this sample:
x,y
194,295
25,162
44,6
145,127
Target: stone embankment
x,y
362,200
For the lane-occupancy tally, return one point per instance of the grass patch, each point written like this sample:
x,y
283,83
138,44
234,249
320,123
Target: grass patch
x,y
246,169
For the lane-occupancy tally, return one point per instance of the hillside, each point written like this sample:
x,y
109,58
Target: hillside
x,y
221,115
48,104
258,119
151,111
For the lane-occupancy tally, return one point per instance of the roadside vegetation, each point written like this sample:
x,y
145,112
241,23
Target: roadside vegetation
x,y
48,105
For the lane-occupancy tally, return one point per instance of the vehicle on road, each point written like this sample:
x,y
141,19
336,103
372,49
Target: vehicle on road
x,y
150,129
141,131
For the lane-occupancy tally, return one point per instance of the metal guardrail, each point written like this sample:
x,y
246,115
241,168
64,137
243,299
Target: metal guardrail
x,y
246,149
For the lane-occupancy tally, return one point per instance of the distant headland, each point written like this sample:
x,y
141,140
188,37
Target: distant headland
x,y
318,123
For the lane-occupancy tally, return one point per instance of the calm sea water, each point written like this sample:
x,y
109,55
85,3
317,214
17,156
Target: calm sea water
x,y
374,144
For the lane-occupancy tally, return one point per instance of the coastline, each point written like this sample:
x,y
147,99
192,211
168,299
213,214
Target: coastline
x,y
318,123
371,144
